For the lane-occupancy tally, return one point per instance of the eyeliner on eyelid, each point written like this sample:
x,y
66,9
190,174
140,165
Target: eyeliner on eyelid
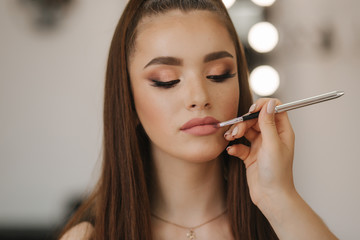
x,y
221,77
172,83
167,84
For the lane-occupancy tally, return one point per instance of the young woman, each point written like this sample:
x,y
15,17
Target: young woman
x,y
175,69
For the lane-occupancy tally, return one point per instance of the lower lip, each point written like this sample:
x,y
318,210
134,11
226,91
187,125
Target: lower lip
x,y
201,130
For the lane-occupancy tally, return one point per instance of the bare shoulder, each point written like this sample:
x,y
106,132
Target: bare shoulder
x,y
81,231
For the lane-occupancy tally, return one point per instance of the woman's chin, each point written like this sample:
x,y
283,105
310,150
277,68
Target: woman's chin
x,y
192,151
204,155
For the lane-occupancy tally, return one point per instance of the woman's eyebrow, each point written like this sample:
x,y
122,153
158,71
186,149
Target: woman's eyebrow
x,y
165,61
179,62
217,55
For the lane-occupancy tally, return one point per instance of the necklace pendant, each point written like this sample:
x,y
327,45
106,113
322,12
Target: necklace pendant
x,y
191,235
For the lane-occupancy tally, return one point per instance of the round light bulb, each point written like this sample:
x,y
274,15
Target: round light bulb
x,y
263,3
264,80
263,37
228,3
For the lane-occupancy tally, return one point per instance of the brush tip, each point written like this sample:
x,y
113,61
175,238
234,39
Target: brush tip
x,y
216,125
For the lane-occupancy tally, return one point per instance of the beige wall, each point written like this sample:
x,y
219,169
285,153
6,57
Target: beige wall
x,y
51,85
51,88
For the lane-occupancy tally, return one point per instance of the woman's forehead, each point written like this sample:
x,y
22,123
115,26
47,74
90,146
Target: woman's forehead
x,y
176,32
178,15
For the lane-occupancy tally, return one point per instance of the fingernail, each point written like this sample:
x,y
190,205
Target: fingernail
x,y
252,108
234,131
226,134
228,148
271,106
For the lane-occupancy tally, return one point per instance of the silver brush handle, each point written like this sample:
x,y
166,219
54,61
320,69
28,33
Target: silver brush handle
x,y
287,107
308,101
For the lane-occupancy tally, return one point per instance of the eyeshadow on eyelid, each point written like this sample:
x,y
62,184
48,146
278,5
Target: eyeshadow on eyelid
x,y
219,71
222,66
162,75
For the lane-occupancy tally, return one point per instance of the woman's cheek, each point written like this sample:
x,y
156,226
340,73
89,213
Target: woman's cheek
x,y
153,111
147,110
230,102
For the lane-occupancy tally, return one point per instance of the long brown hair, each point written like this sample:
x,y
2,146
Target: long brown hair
x,y
119,206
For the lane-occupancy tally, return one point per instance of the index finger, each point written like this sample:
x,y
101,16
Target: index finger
x,y
238,130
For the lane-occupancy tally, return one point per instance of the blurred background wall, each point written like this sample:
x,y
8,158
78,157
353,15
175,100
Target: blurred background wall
x,y
51,89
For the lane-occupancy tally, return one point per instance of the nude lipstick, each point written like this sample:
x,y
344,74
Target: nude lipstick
x,y
200,126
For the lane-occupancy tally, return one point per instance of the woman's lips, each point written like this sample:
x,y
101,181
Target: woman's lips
x,y
200,126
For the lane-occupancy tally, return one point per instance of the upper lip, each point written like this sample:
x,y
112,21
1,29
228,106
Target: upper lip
x,y
199,121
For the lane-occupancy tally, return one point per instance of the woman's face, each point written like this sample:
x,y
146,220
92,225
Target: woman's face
x,y
184,79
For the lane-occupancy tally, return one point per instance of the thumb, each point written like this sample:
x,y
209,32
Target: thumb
x,y
267,123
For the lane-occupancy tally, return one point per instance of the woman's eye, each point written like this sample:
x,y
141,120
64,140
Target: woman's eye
x,y
168,84
221,78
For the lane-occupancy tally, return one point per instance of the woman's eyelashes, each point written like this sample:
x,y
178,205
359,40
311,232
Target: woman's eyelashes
x,y
172,83
161,84
221,78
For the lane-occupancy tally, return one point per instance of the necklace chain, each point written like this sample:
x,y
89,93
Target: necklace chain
x,y
191,234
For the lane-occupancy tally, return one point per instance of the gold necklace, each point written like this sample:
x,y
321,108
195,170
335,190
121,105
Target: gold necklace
x,y
191,234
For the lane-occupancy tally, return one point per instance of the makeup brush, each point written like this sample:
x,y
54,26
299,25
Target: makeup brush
x,y
287,107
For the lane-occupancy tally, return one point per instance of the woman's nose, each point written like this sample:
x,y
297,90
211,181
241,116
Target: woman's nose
x,y
197,97
199,106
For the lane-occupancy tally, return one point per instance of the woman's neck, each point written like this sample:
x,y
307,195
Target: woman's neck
x,y
186,192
